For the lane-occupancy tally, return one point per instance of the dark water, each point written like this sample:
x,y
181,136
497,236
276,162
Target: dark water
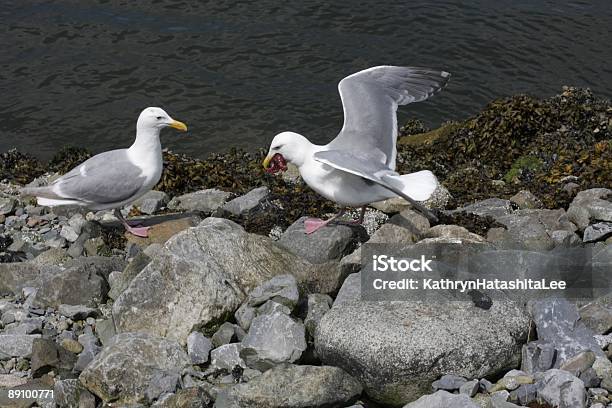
x,y
238,72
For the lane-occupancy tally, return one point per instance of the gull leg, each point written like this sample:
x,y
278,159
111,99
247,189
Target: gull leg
x,y
314,224
137,231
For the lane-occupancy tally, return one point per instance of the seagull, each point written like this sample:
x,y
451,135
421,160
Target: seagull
x,y
357,168
115,178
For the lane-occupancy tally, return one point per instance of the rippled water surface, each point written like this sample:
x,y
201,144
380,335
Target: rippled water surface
x,y
238,72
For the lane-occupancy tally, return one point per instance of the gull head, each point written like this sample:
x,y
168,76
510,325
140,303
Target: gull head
x,y
157,118
286,147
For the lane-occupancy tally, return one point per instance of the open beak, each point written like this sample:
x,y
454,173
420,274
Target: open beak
x,y
266,162
178,125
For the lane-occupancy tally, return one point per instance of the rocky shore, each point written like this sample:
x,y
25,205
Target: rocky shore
x,y
229,304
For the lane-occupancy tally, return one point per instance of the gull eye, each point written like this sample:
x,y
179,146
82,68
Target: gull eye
x,y
160,117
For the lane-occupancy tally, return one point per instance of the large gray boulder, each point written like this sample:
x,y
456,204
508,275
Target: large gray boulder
x,y
593,204
16,345
560,388
293,386
205,201
397,349
123,371
203,274
245,203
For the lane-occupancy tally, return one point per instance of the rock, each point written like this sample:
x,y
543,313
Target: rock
x,y
161,383
273,339
16,276
105,330
597,317
71,345
557,322
69,234
8,381
538,356
590,378
454,232
448,382
560,388
281,289
151,202
597,232
16,345
590,205
70,393
579,363
53,256
405,227
7,205
492,207
526,393
198,347
44,356
328,243
139,358
205,201
223,335
123,279
526,200
469,388
443,399
292,386
227,357
251,200
351,333
192,397
203,274
271,307
77,312
161,232
566,239
317,306
245,315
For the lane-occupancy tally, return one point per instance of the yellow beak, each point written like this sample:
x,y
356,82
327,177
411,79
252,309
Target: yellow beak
x,y
266,161
178,125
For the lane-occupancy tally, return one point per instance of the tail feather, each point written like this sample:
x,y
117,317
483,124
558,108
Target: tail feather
x,y
45,196
419,186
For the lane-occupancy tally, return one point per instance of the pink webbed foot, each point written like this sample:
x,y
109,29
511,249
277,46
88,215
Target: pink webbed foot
x,y
142,232
314,224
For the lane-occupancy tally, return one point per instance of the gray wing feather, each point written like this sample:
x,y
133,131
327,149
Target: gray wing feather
x,y
370,99
365,165
108,177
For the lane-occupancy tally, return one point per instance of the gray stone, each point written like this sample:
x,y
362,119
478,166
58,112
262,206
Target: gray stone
x,y
454,232
203,274
560,388
469,388
163,382
526,394
526,200
443,399
328,243
198,347
293,386
317,305
123,370
271,307
7,205
77,312
281,289
597,232
566,239
351,333
105,330
499,400
492,207
448,382
16,345
558,323
152,202
597,317
590,378
90,351
223,335
273,339
205,201
405,227
579,363
122,280
71,394
251,200
227,357
45,356
69,234
245,315
590,205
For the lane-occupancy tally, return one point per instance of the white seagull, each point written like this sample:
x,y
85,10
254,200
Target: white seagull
x,y
115,178
358,167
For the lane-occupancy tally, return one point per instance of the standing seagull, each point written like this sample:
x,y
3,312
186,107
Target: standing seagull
x,y
115,178
358,167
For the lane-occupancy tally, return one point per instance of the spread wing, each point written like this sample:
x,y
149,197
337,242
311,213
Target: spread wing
x,y
370,99
108,177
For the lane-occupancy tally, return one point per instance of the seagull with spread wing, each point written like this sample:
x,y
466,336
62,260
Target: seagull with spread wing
x,y
115,178
357,168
